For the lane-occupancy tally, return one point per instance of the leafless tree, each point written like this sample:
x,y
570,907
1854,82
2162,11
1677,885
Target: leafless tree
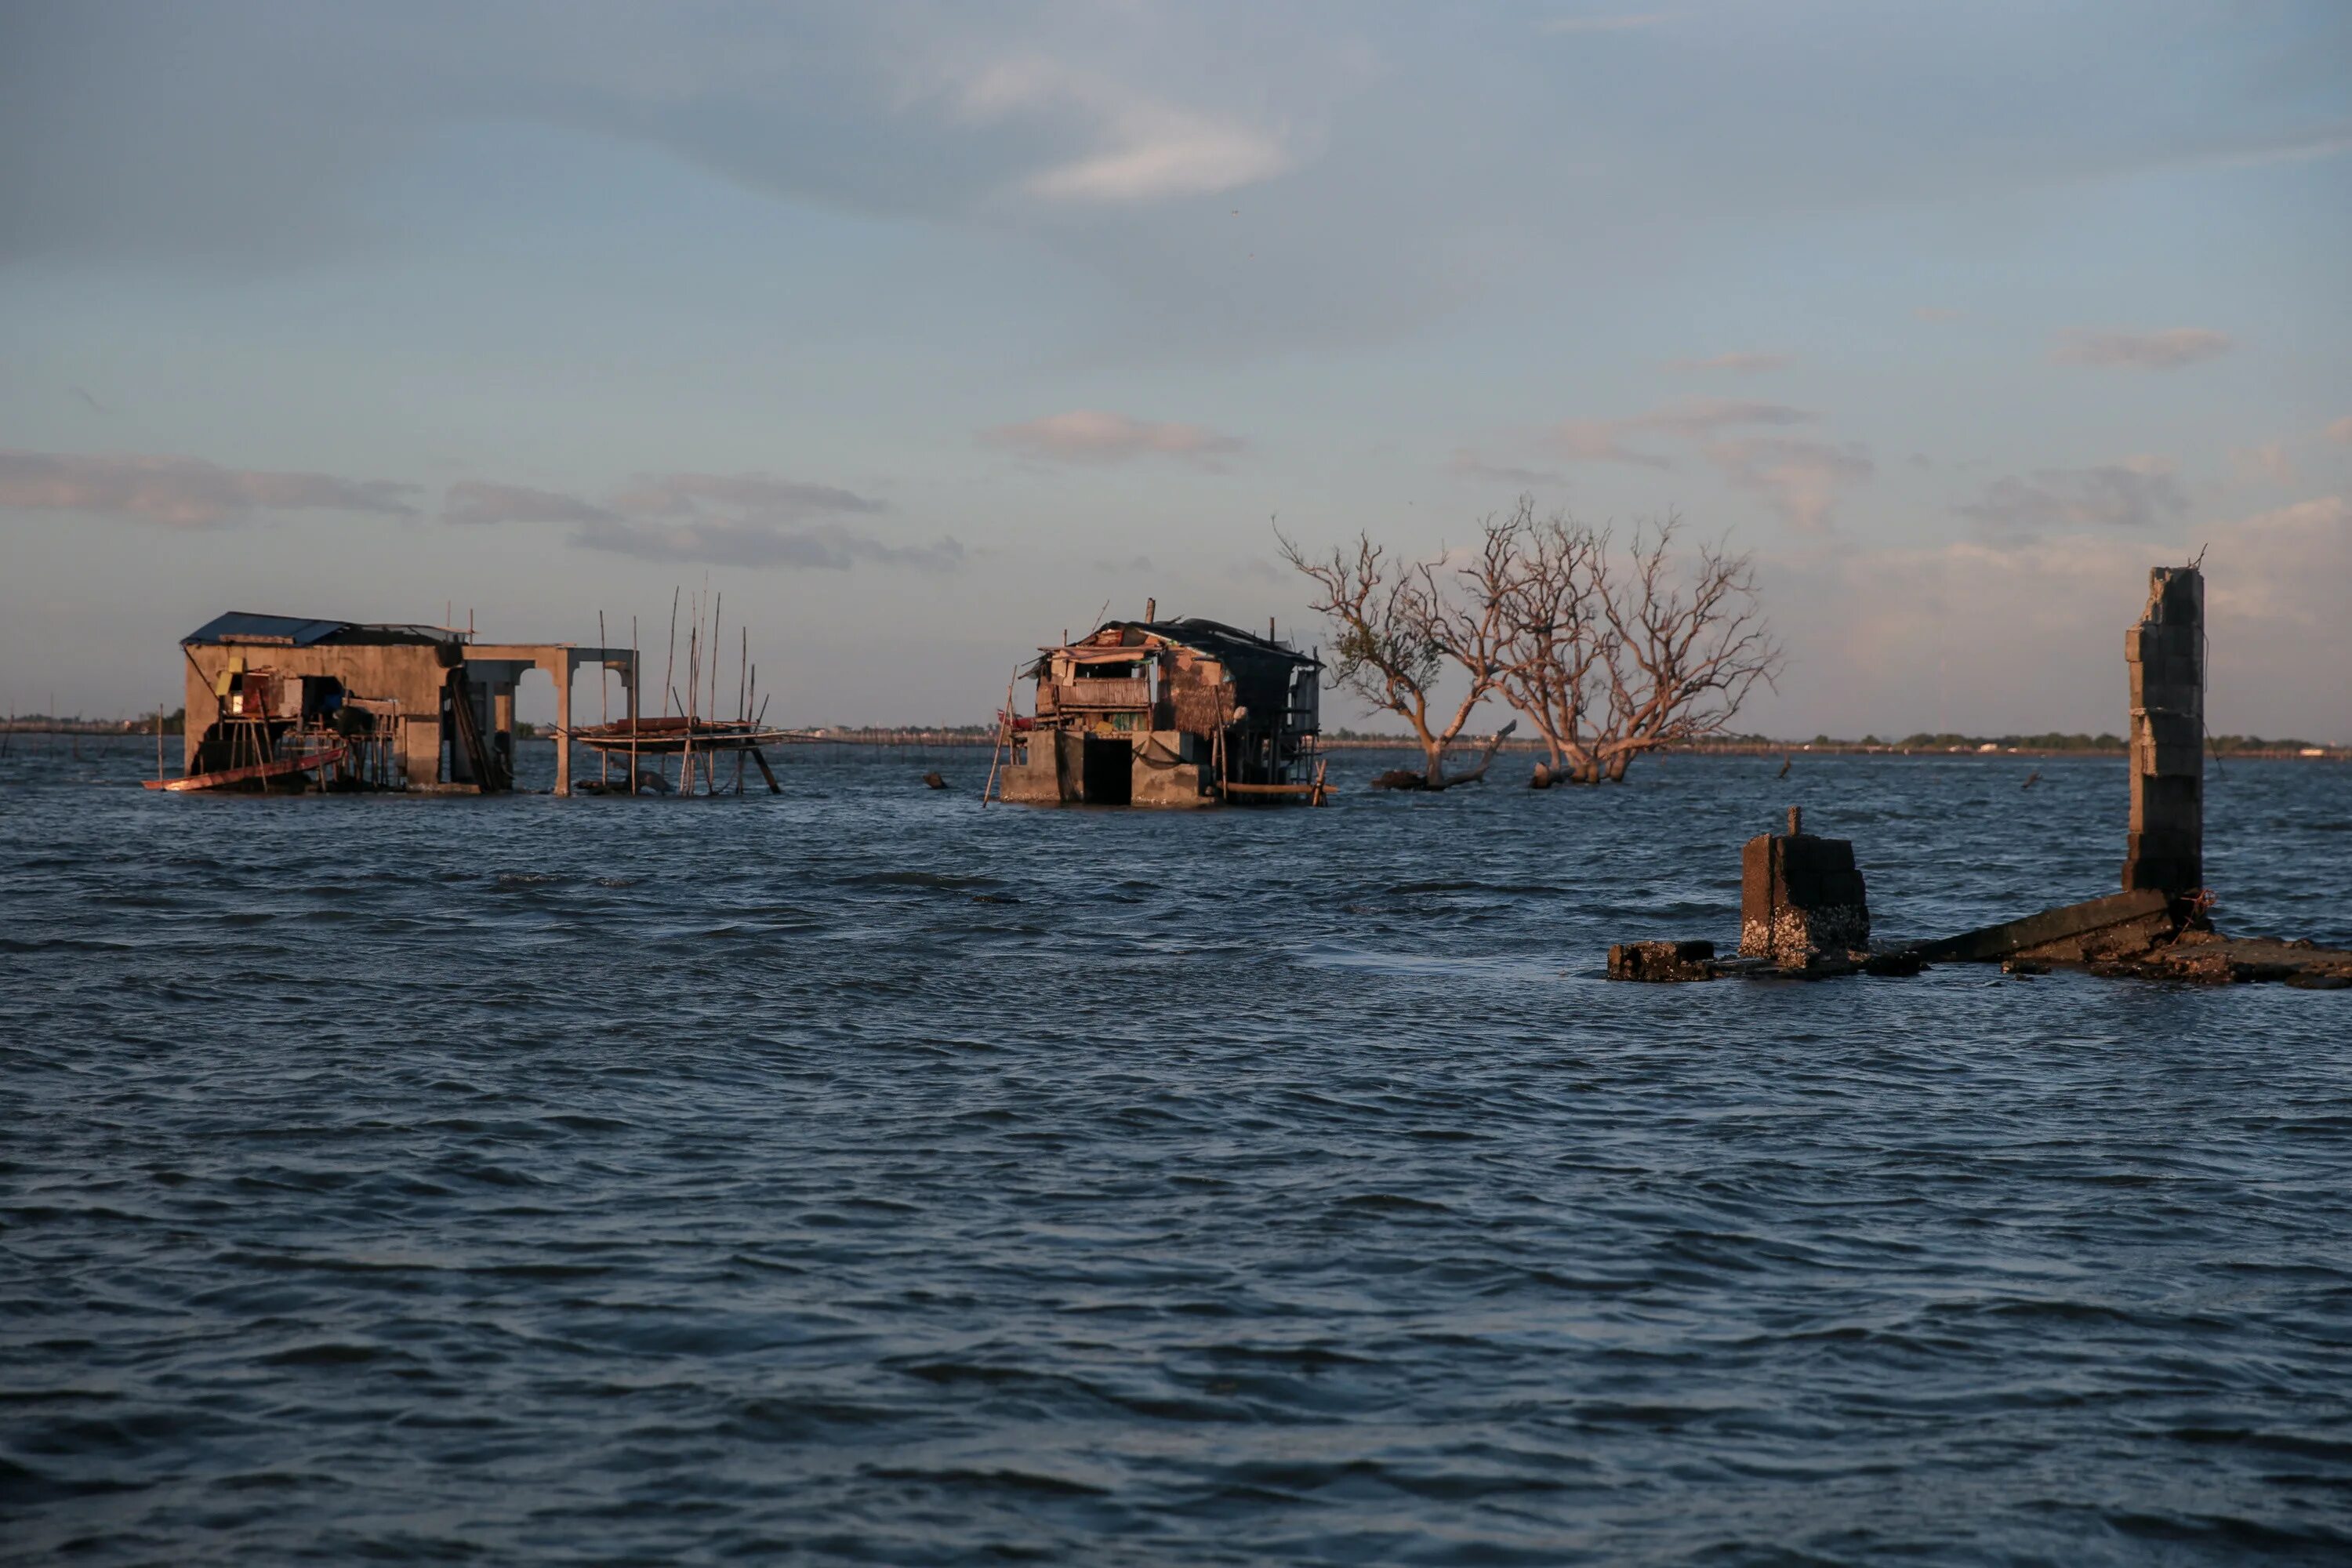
x,y
1554,641
1398,630
1683,649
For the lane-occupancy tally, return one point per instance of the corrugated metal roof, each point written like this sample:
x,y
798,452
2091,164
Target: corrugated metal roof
x,y
240,624
294,631
1215,636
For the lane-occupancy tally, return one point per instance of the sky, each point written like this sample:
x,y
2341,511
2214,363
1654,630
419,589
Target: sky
x,y
925,332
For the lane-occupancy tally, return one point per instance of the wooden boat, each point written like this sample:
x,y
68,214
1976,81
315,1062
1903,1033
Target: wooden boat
x,y
259,775
669,735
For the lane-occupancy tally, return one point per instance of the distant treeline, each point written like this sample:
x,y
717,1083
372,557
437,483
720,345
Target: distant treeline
x,y
54,724
2047,744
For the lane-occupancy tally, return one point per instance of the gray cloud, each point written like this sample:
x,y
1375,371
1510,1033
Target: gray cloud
x,y
1626,22
1468,465
740,495
2140,492
2266,464
183,492
1740,362
2167,350
1704,416
736,519
825,547
473,502
1802,480
2341,431
245,134
1091,435
1689,418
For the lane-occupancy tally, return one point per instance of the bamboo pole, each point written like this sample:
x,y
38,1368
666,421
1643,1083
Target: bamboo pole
x,y
669,666
1003,731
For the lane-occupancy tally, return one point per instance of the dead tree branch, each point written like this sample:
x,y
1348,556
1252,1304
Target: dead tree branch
x,y
1396,632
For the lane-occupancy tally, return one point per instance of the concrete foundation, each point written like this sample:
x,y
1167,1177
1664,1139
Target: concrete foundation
x,y
1800,896
1074,767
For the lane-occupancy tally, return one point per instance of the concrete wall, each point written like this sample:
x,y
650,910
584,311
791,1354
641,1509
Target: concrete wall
x,y
408,674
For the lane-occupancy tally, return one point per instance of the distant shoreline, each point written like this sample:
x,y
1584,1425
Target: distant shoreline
x,y
975,736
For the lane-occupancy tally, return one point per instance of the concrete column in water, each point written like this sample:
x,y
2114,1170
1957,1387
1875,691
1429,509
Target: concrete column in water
x,y
2167,659
563,673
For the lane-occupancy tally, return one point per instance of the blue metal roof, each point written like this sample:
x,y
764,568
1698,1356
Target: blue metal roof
x,y
243,623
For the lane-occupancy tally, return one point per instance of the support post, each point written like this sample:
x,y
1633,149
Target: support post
x,y
563,673
2166,655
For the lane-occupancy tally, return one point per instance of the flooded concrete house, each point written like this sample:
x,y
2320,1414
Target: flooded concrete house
x,y
354,705
1175,713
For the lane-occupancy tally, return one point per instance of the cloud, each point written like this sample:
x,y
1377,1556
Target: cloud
x,y
1625,22
737,520
1732,361
741,495
2139,492
1602,441
1704,416
473,503
2267,463
1802,480
2341,431
2167,350
183,492
1468,465
1690,419
1091,435
1936,313
1144,148
734,541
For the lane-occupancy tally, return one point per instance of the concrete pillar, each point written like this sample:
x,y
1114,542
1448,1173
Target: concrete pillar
x,y
502,709
2166,655
421,735
563,673
1800,895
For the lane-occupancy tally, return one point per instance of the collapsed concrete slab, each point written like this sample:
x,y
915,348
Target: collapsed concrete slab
x,y
2120,922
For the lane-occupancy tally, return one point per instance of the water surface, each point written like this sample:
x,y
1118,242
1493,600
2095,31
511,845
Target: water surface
x,y
861,1176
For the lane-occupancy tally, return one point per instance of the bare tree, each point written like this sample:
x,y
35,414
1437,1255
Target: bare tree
x,y
1683,650
1397,631
1555,640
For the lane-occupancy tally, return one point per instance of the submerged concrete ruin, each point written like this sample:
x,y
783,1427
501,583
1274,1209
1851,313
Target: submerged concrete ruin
x,y
289,702
1805,912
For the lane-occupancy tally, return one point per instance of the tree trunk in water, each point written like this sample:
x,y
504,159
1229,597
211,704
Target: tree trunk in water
x,y
1485,758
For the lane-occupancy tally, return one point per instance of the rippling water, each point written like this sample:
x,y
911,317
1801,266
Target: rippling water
x,y
862,1176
